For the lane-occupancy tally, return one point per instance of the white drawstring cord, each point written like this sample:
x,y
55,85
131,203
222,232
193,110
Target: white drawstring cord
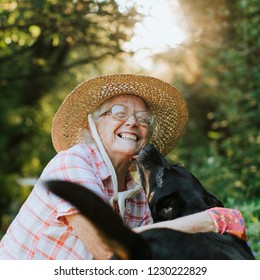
x,y
117,197
105,156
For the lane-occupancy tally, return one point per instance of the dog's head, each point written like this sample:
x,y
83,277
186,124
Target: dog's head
x,y
172,190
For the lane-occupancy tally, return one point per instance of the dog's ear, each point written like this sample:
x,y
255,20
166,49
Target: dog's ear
x,y
213,201
123,242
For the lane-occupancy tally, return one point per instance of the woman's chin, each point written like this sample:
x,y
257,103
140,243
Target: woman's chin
x,y
128,152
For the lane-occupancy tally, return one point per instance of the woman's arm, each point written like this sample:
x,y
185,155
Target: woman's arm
x,y
216,219
199,222
89,236
231,221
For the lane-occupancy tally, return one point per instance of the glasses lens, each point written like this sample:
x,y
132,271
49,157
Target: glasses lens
x,y
122,113
144,118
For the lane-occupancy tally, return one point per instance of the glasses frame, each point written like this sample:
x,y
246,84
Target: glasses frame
x,y
128,115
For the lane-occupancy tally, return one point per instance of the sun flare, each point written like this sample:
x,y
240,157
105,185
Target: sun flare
x,y
162,28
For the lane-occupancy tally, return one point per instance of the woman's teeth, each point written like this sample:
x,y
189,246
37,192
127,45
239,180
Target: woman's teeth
x,y
128,136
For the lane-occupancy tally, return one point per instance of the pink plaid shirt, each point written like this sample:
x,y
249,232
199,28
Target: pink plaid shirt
x,y
40,230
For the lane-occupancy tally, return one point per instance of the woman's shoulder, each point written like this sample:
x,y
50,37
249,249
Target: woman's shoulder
x,y
79,154
81,148
83,151
78,157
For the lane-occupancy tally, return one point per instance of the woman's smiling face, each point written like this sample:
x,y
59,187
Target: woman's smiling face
x,y
123,139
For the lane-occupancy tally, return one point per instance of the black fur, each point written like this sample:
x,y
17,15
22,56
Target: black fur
x,y
173,192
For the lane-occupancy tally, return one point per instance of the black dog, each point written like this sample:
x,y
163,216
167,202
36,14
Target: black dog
x,y
170,196
174,192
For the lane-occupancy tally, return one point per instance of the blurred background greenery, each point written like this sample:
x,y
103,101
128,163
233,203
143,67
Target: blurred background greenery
x,y
210,50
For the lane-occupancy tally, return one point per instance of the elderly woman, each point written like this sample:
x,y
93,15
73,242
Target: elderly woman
x,y
98,131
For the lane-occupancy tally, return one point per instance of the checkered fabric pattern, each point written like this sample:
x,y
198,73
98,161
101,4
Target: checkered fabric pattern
x,y
40,230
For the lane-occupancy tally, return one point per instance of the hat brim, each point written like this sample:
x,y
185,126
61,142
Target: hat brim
x,y
164,101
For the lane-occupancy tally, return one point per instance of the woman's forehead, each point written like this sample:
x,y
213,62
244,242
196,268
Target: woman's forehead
x,y
126,99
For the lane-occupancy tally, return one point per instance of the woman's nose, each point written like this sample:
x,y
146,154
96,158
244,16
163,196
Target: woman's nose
x,y
132,121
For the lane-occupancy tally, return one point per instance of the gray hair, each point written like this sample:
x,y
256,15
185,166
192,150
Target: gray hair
x,y
85,135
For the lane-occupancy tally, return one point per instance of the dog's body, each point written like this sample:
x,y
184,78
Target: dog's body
x,y
173,192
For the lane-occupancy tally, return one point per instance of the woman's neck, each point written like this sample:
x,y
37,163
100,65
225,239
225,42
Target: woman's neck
x,y
121,169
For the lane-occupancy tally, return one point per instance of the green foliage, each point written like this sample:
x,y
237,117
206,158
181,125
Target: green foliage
x,y
221,143
251,214
224,96
41,45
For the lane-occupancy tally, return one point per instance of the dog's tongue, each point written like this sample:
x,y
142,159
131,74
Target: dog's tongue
x,y
135,157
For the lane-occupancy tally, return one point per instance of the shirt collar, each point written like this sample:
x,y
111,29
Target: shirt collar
x,y
104,172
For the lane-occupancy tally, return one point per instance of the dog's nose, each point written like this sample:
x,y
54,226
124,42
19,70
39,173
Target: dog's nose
x,y
147,155
149,147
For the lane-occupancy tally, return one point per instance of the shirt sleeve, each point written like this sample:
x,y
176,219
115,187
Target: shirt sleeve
x,y
76,166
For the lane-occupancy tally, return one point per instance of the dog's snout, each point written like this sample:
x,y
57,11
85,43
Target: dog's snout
x,y
145,153
150,157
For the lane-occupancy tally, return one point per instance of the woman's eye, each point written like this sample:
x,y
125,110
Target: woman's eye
x,y
120,114
119,111
142,117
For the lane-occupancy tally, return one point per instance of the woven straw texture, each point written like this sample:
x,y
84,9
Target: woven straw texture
x,y
164,101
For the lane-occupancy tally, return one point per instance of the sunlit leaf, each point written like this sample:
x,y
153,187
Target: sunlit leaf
x,y
35,31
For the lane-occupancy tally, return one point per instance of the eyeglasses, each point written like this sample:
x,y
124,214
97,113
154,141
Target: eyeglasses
x,y
122,113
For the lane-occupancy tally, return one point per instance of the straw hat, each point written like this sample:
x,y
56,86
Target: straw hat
x,y
165,103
